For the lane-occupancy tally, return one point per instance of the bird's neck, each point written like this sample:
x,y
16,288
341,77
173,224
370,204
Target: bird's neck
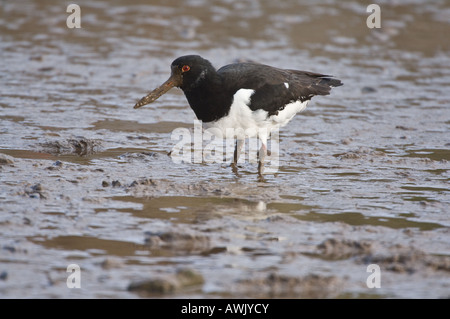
x,y
207,97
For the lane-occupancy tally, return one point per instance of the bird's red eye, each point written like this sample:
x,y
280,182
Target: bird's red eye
x,y
185,68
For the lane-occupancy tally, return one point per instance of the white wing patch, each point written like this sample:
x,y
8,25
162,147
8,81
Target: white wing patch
x,y
239,118
242,122
286,85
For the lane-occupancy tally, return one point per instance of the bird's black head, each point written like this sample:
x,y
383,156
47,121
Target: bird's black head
x,y
188,72
192,70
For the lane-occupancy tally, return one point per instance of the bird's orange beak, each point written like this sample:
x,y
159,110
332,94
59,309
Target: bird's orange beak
x,y
174,80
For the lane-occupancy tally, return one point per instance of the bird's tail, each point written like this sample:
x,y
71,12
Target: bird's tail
x,y
330,81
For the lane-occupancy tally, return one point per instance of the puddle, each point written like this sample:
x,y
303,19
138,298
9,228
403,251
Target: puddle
x,y
433,154
85,178
92,245
358,219
129,126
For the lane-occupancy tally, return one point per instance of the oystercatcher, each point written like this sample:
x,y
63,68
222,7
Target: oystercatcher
x,y
248,99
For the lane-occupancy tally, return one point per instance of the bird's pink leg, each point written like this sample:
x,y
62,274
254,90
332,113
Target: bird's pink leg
x,y
237,153
261,156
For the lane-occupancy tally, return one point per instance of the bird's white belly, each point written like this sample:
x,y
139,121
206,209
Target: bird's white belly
x,y
242,122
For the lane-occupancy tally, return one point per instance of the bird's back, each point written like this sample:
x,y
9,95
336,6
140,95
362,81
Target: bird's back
x,y
274,88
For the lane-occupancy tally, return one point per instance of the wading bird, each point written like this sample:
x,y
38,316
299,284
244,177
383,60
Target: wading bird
x,y
245,97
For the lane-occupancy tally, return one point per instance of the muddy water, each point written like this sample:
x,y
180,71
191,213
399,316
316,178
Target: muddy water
x,y
84,179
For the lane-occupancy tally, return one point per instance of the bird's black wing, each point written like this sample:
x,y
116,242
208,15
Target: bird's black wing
x,y
274,88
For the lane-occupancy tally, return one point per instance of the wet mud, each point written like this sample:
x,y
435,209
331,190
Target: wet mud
x,y
363,175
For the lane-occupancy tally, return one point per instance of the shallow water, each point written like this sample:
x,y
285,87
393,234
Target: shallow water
x,y
363,173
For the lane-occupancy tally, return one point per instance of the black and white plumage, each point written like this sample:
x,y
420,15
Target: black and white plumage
x,y
246,98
